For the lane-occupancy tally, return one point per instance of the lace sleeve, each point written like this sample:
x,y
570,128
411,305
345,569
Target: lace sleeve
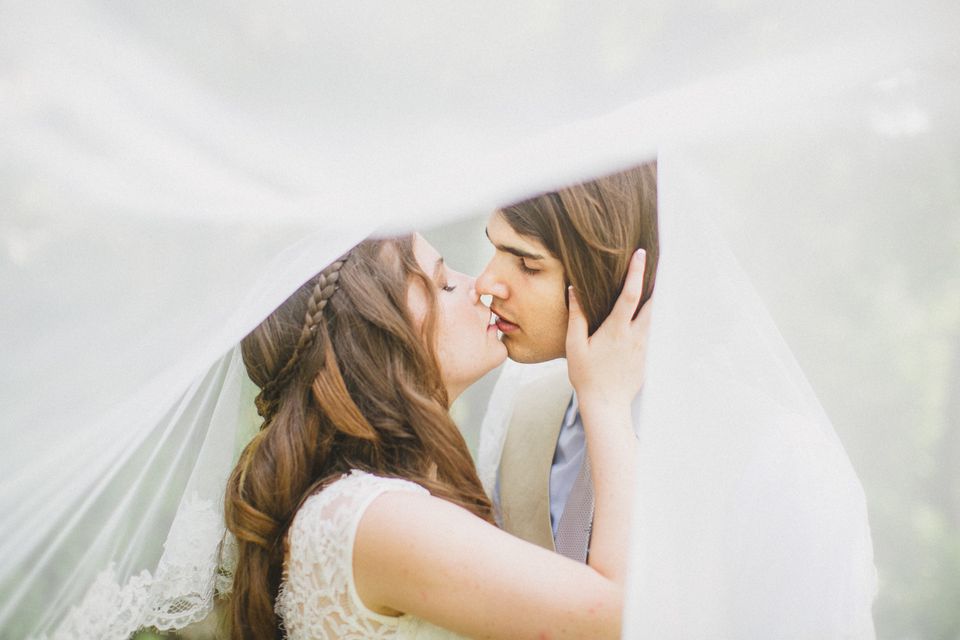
x,y
318,597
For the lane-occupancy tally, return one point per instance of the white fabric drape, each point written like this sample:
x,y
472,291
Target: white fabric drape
x,y
156,160
749,518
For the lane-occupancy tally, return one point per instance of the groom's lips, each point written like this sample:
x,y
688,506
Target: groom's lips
x,y
505,325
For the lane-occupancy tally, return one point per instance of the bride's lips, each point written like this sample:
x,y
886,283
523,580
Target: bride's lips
x,y
504,325
491,323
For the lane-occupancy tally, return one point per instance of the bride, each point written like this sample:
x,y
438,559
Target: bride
x,y
357,509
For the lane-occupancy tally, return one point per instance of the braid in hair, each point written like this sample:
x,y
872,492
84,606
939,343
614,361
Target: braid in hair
x,y
274,470
323,288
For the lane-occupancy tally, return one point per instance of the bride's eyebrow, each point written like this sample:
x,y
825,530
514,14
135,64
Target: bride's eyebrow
x,y
438,269
520,253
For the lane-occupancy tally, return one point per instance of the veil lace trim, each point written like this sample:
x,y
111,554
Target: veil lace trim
x,y
196,566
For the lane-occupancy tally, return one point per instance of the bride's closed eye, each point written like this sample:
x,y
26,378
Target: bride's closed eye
x,y
445,283
440,276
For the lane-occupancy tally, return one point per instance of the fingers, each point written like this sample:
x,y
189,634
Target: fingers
x,y
626,305
642,321
577,325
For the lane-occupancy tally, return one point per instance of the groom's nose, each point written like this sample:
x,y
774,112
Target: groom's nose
x,y
489,283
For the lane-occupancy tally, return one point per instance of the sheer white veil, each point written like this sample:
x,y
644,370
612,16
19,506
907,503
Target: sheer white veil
x,y
748,510
168,175
749,518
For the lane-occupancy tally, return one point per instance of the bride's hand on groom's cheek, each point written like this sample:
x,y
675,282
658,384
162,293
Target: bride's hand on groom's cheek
x,y
610,365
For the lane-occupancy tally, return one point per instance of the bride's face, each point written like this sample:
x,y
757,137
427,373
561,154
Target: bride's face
x,y
467,343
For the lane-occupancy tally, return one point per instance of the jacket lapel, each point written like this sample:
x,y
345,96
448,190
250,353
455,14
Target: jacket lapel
x,y
528,456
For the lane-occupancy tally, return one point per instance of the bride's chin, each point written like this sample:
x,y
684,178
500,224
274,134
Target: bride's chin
x,y
501,356
493,358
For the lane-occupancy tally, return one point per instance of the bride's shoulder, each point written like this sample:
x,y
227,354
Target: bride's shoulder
x,y
348,496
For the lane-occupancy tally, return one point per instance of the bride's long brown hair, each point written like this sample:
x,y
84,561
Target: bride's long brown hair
x,y
348,381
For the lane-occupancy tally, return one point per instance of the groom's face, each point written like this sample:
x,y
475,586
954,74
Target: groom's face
x,y
527,285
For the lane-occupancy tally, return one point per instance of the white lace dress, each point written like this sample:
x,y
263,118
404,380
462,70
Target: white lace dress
x,y
318,598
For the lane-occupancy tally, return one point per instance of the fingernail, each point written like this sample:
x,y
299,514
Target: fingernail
x,y
640,253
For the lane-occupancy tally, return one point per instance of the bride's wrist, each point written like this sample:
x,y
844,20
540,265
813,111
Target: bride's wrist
x,y
608,417
604,399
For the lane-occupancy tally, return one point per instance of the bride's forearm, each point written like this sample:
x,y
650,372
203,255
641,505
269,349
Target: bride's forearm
x,y
612,448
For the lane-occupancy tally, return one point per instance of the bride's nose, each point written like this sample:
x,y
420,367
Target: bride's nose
x,y
472,290
468,284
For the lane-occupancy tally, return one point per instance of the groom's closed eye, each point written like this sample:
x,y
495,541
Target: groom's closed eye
x,y
525,268
516,251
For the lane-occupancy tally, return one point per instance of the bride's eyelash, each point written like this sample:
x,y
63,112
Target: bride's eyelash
x,y
449,287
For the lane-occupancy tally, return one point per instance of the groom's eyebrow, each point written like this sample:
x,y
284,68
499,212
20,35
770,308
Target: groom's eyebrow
x,y
520,253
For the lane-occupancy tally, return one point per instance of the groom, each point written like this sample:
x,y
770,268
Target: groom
x,y
583,235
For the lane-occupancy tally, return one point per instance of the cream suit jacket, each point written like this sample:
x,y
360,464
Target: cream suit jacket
x,y
524,474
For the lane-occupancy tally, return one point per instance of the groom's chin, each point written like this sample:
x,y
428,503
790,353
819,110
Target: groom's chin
x,y
525,353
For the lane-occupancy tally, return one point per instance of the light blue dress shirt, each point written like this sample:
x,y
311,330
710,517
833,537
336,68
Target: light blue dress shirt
x,y
567,460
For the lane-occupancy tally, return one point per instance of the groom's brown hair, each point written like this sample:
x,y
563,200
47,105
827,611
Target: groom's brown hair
x,y
593,228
